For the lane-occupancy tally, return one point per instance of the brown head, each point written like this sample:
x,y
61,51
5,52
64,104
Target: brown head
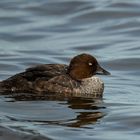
x,y
85,66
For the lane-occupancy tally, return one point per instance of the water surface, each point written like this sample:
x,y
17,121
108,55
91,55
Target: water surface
x,y
52,31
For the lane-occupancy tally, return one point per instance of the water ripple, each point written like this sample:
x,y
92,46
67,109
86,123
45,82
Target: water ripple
x,y
35,32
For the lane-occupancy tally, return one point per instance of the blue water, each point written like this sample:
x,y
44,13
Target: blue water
x,y
52,31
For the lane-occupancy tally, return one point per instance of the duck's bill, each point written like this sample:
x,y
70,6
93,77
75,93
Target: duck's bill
x,y
102,71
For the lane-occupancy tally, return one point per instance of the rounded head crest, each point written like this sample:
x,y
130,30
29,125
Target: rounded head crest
x,y
84,66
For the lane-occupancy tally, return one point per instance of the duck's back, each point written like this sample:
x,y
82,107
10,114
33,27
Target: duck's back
x,y
23,82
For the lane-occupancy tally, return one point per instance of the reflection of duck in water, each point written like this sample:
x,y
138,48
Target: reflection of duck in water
x,y
76,79
85,118
71,112
89,111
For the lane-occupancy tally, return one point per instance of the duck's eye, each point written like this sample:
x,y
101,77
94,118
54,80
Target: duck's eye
x,y
90,64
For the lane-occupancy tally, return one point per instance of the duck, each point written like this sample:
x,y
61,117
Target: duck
x,y
76,79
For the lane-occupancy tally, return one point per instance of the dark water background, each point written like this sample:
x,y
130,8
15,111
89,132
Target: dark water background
x,y
53,31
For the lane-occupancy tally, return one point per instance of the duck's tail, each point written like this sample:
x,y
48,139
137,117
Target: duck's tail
x,y
15,85
4,88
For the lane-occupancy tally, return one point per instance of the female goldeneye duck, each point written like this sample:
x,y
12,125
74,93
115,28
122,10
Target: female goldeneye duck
x,y
76,79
